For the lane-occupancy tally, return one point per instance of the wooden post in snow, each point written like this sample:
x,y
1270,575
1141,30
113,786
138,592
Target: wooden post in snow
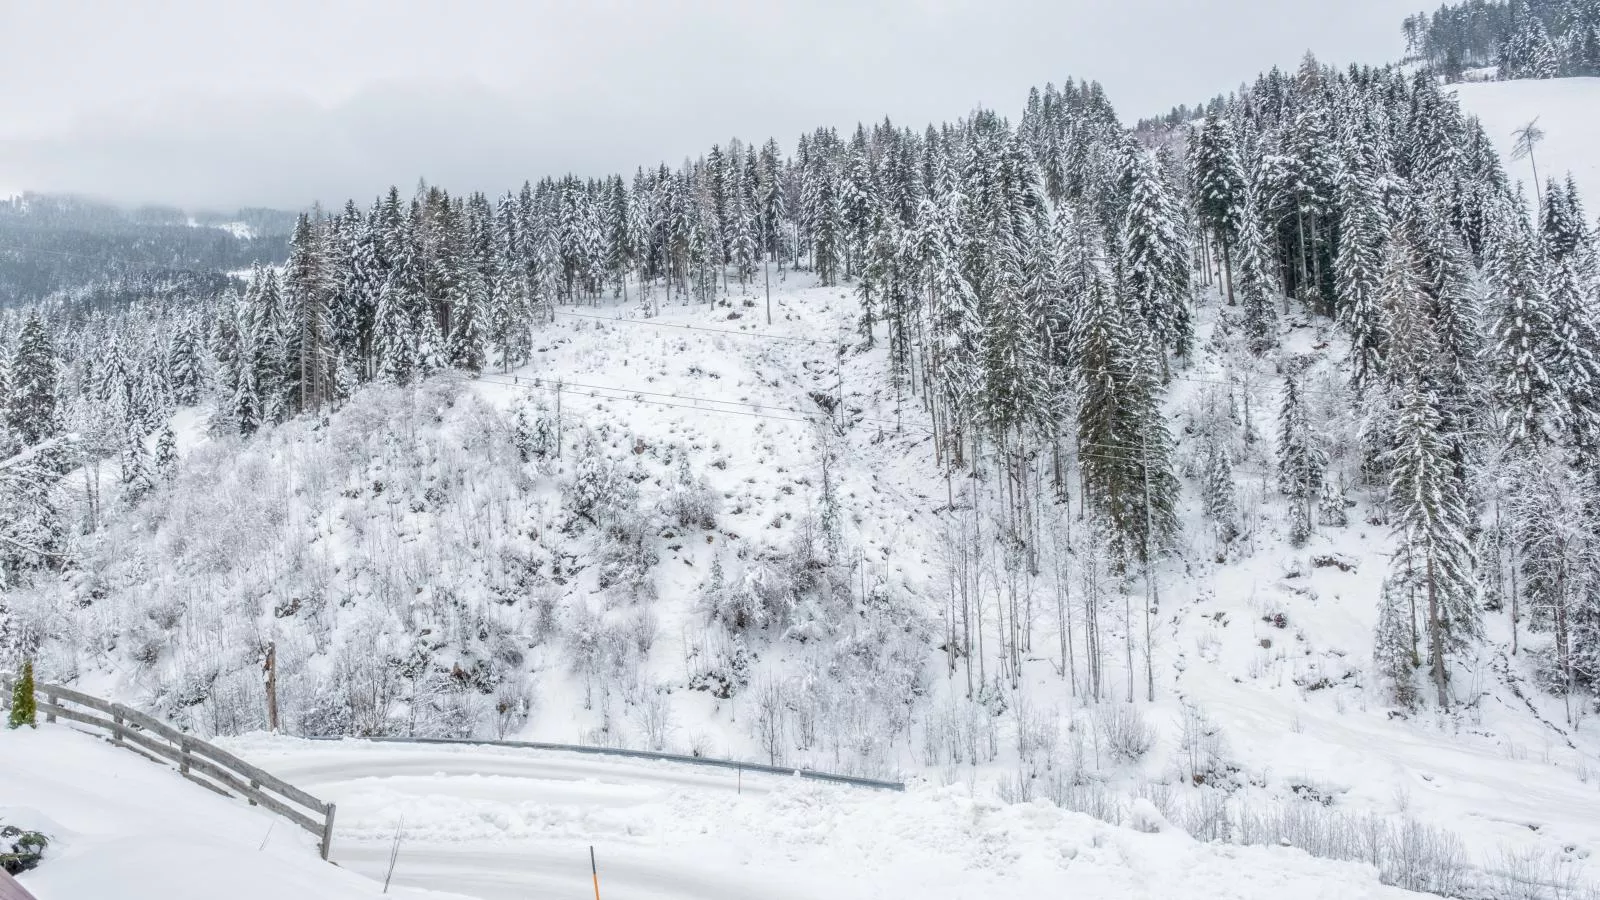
x,y
595,871
269,666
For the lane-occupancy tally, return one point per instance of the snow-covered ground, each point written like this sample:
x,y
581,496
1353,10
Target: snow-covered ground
x,y
513,824
1262,660
1566,111
123,827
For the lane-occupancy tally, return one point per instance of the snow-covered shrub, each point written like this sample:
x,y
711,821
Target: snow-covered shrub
x,y
1202,750
1090,798
20,849
721,664
626,554
1204,814
690,501
598,490
641,626
596,649
654,715
760,597
1125,732
532,431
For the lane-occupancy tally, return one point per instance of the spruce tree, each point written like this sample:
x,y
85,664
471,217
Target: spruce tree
x,y
1432,521
166,462
1124,444
1220,190
1358,267
1301,462
24,709
1259,292
1394,648
1155,265
308,286
185,365
30,405
1218,492
1525,335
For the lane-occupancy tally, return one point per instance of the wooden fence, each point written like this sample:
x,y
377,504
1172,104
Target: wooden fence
x,y
200,762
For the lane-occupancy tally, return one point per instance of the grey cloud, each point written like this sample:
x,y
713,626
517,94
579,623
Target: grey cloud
x,y
214,105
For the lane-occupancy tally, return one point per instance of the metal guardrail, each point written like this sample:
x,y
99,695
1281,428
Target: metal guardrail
x,y
224,773
647,754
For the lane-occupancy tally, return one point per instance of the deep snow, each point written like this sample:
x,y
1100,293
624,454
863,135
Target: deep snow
x,y
1565,110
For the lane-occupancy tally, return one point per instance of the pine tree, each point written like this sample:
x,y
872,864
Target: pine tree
x,y
24,709
185,365
1332,510
30,406
1358,267
1528,52
1524,331
308,285
1259,292
1301,462
270,347
1218,492
137,478
1220,190
1123,440
1155,264
1394,648
166,462
1562,229
1429,498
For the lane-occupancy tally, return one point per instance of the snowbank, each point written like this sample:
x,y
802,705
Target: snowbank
x,y
124,827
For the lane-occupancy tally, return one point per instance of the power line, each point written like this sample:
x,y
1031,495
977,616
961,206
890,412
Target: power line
x,y
573,391
1078,448
1187,379
728,331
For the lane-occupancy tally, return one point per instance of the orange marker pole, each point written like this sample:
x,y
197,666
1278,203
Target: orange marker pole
x,y
593,869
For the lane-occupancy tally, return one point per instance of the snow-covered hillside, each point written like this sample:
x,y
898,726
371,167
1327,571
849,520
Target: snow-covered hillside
x,y
404,527
1566,111
556,468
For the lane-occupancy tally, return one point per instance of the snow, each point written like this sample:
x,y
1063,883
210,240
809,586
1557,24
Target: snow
x,y
1565,108
503,823
496,823
1296,709
121,826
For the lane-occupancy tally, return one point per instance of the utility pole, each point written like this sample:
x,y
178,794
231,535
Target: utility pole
x,y
1149,581
558,420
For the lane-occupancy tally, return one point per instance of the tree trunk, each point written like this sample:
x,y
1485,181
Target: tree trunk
x,y
1436,637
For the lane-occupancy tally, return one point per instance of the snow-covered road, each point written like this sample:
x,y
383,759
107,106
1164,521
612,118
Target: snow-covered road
x,y
494,822
537,808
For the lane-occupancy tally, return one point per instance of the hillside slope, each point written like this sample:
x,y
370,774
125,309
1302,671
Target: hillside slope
x,y
1565,110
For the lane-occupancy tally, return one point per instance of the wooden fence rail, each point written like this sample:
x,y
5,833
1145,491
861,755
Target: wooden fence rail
x,y
200,762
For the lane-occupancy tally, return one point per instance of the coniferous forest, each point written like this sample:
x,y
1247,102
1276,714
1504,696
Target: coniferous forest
x,y
1402,340
1518,38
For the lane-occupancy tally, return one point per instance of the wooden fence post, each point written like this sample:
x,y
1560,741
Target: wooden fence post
x,y
270,667
116,733
327,832
183,759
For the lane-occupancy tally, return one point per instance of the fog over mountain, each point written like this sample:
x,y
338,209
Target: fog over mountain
x,y
285,103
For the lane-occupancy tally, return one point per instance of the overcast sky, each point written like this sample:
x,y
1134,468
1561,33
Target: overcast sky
x,y
218,104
